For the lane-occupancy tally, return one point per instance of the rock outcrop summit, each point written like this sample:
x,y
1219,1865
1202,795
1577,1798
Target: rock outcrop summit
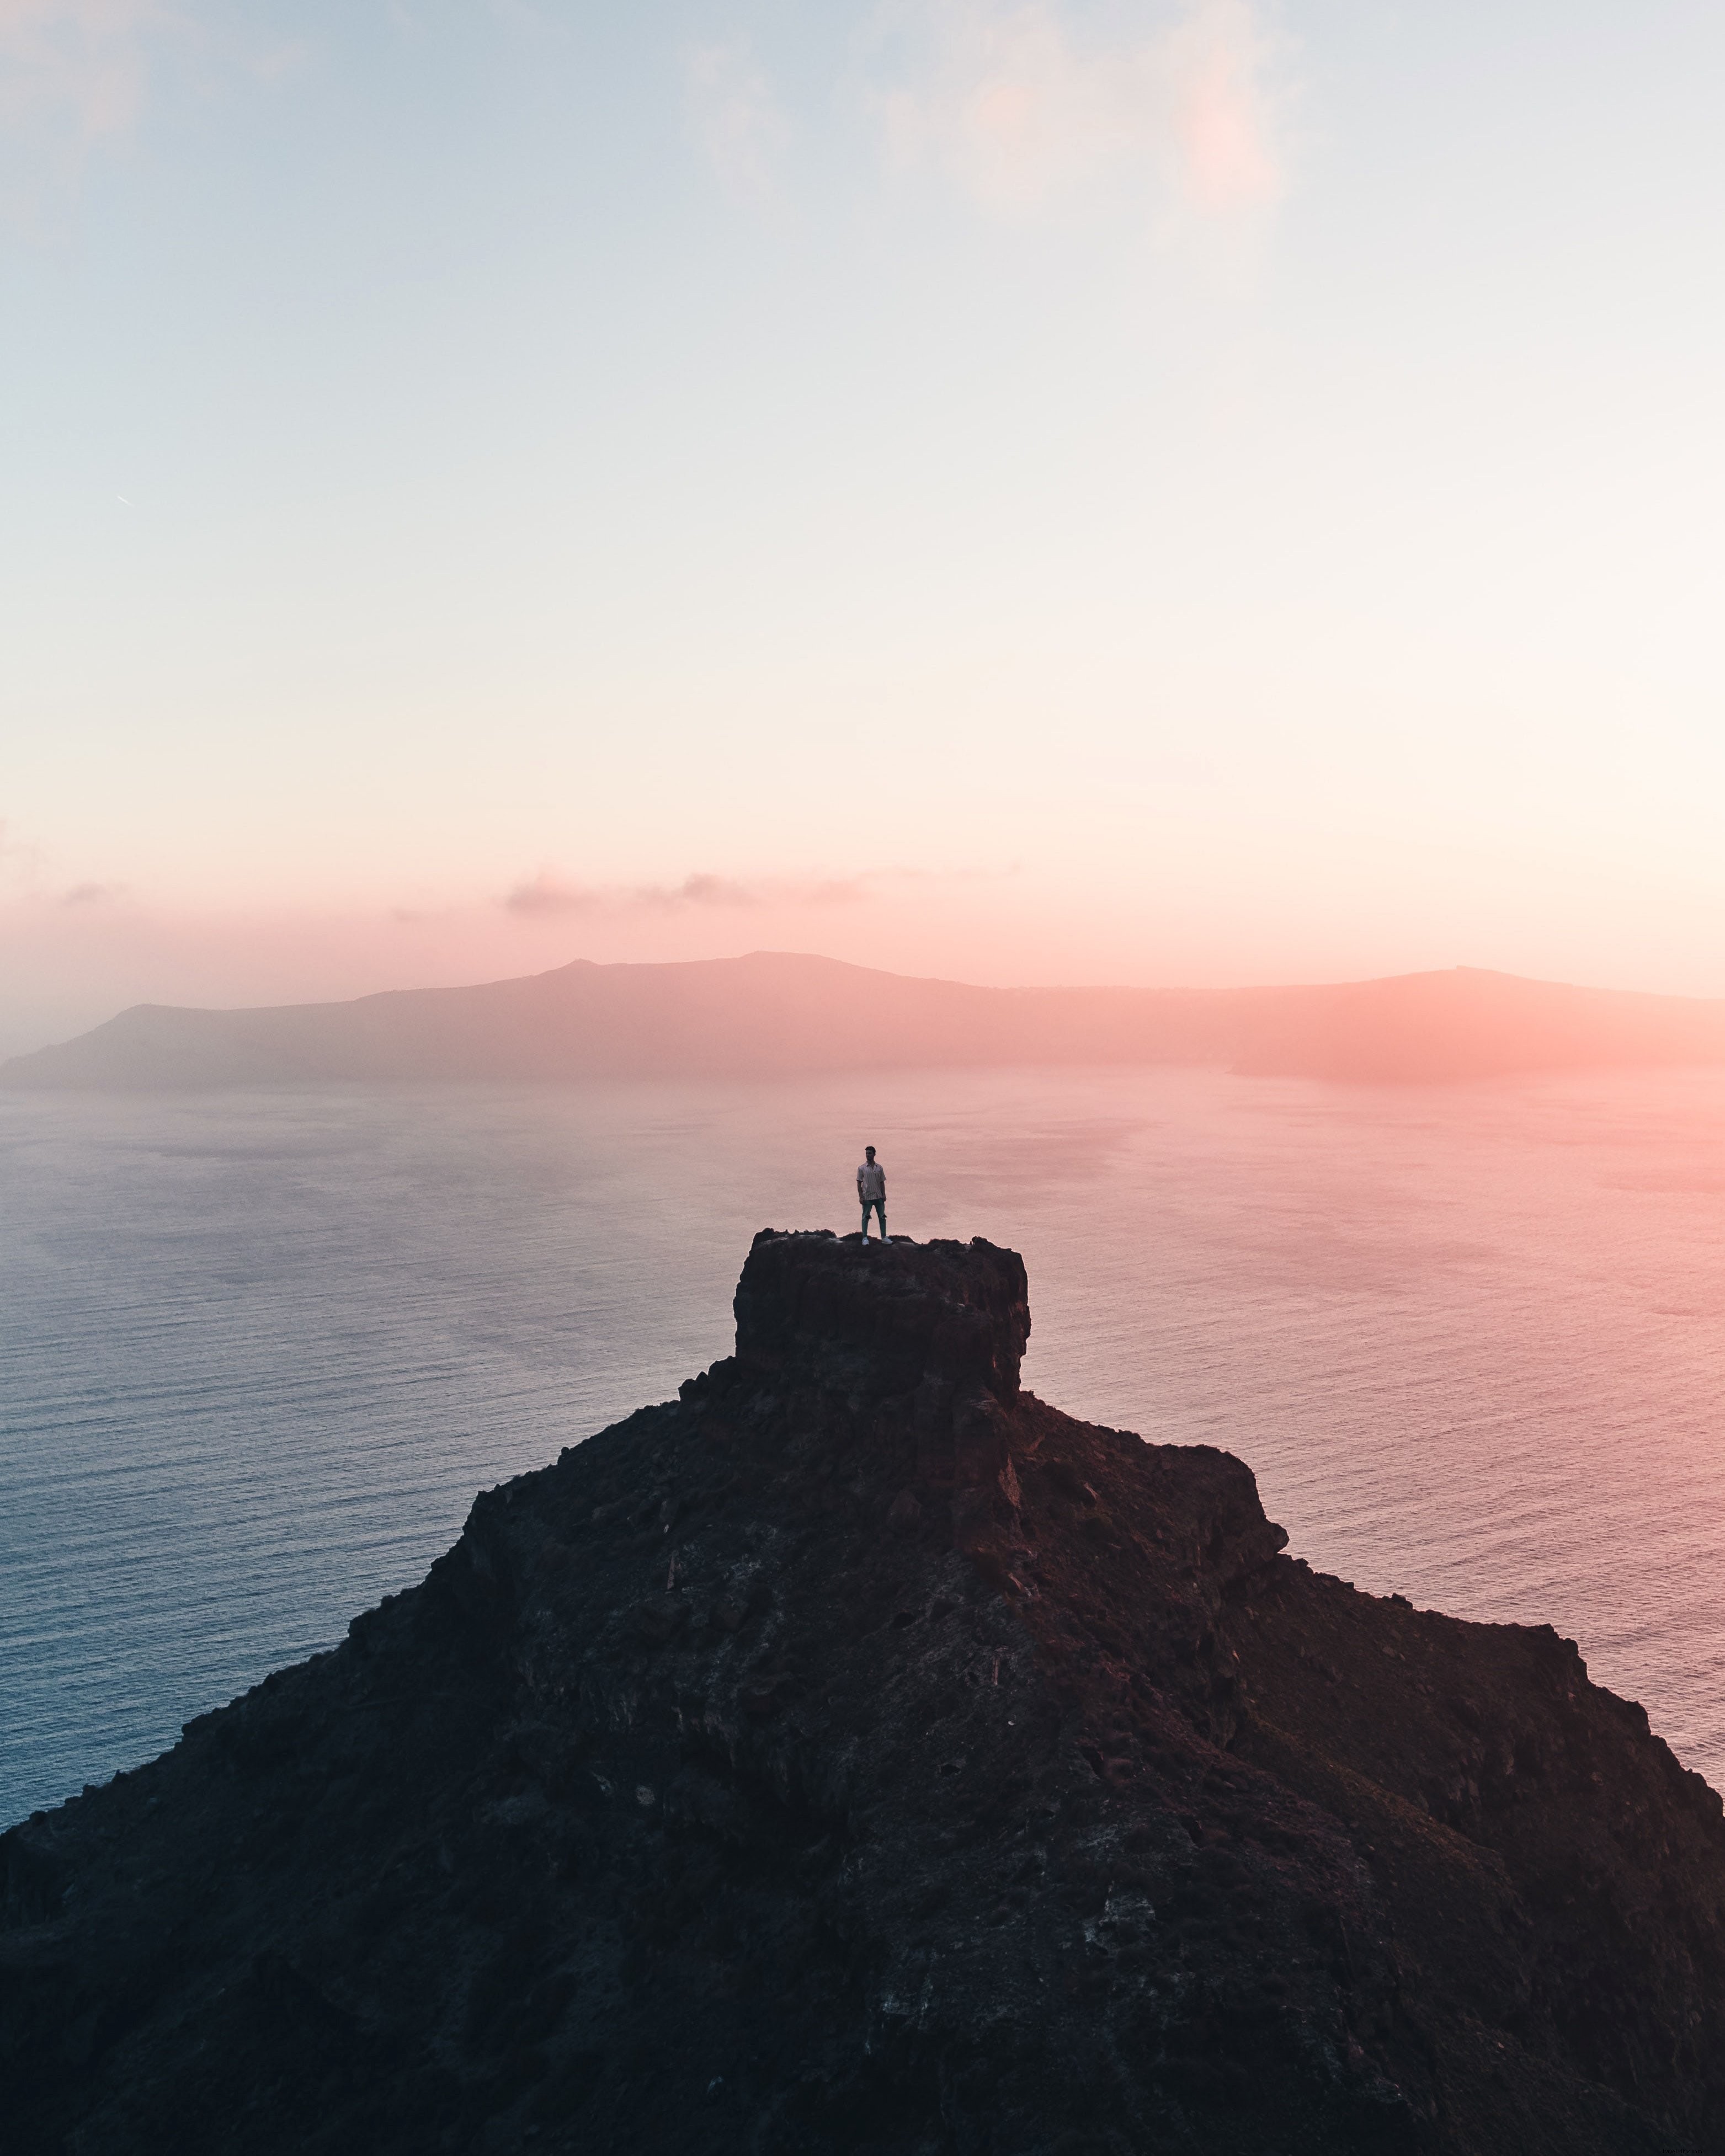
x,y
857,1753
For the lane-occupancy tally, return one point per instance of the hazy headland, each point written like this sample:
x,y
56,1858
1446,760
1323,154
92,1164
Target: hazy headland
x,y
782,1014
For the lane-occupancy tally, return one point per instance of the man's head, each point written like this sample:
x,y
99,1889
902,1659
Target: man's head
x,y
868,1152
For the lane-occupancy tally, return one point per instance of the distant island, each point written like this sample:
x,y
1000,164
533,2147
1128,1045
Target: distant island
x,y
776,1013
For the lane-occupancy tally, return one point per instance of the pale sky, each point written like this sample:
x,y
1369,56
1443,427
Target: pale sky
x,y
1145,492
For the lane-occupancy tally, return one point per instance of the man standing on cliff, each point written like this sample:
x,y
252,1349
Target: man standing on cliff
x,y
871,1189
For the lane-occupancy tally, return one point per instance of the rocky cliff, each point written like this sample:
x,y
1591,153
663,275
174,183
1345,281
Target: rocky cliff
x,y
857,1754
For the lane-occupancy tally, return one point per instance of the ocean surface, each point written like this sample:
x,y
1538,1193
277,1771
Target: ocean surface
x,y
258,1350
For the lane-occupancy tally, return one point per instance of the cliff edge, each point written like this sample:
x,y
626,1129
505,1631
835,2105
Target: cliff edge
x,y
858,1753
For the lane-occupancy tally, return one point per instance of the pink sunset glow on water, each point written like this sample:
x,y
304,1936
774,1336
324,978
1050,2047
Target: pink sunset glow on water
x,y
265,1345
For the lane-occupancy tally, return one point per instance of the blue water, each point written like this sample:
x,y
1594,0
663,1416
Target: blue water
x,y
258,1350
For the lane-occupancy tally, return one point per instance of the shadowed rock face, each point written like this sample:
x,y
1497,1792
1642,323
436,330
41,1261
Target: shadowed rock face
x,y
858,1753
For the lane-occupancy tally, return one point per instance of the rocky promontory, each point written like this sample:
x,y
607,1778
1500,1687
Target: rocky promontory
x,y
858,1753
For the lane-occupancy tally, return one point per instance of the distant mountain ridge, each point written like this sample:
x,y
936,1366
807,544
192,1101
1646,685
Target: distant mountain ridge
x,y
780,1013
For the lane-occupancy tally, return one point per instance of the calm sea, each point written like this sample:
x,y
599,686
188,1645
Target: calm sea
x,y
258,1350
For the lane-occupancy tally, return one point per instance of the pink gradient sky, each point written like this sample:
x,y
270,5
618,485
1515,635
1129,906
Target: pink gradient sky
x,y
1164,493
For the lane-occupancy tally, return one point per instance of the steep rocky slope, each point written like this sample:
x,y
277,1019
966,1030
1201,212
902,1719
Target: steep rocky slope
x,y
857,1754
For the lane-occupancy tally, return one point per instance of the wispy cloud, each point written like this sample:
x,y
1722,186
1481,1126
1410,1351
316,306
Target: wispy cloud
x,y
75,64
737,118
545,895
1025,113
73,74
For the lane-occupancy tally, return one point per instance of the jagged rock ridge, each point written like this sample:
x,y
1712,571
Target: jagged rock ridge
x,y
857,1754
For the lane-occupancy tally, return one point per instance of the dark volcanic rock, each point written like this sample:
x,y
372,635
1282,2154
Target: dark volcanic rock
x,y
859,1755
951,1314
